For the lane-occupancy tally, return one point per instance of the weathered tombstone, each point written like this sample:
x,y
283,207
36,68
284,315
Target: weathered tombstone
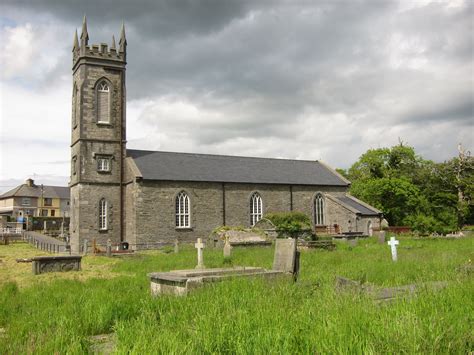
x,y
109,248
353,242
227,248
45,226
393,246
42,264
382,237
86,246
176,246
285,255
199,245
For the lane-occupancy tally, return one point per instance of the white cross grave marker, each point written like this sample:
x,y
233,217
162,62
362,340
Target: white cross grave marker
x,y
199,246
393,245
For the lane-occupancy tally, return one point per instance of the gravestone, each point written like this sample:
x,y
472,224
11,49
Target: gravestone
x,y
353,242
227,248
42,264
176,246
382,237
393,246
109,248
285,255
86,246
199,245
180,282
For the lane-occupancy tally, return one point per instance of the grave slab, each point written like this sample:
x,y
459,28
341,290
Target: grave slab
x,y
181,282
60,263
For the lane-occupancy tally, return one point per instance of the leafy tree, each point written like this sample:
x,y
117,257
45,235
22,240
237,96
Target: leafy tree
x,y
409,190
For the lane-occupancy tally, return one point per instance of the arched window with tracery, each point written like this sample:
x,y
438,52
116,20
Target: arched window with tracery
x,y
319,210
256,208
182,210
103,102
103,214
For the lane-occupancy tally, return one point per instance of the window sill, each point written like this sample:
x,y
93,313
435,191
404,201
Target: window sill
x,y
104,172
103,230
183,228
104,124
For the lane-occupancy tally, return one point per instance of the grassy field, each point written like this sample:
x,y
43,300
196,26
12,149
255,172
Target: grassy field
x,y
60,312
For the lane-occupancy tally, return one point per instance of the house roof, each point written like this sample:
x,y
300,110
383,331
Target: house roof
x,y
359,206
156,165
24,190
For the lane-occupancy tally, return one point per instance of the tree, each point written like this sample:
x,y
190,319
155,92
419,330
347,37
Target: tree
x,y
411,190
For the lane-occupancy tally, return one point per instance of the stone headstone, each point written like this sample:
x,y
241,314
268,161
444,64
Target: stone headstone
x,y
353,242
176,246
109,248
382,237
86,246
227,248
285,255
199,245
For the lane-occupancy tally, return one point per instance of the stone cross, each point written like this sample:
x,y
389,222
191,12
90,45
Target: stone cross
x,y
393,245
200,246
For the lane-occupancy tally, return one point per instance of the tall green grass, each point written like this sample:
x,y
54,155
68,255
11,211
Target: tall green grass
x,y
255,316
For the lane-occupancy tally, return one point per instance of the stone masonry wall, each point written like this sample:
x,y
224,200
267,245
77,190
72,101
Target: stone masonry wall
x,y
150,208
85,219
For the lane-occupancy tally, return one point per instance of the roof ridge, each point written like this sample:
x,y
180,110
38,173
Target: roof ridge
x,y
223,155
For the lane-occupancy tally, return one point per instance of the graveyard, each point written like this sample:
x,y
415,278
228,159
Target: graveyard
x,y
338,304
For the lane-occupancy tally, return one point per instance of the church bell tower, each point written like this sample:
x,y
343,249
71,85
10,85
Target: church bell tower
x,y
98,144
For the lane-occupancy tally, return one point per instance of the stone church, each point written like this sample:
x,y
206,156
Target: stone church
x,y
147,197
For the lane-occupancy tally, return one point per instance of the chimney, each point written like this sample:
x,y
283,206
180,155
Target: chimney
x,y
30,182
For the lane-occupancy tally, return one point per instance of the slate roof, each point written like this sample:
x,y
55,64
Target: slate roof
x,y
170,166
362,209
24,190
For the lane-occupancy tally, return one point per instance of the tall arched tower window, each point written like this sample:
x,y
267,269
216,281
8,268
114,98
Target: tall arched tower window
x,y
182,210
319,210
256,208
103,215
75,105
103,102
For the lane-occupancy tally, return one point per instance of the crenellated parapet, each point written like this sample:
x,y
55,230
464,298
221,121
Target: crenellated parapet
x,y
83,52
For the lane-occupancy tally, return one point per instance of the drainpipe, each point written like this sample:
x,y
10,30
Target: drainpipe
x,y
223,204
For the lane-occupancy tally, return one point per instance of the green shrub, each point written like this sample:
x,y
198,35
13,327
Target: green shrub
x,y
290,223
428,224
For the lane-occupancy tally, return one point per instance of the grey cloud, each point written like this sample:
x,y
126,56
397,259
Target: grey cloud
x,y
264,65
459,109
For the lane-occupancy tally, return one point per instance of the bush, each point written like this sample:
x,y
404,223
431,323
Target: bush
x,y
290,223
428,224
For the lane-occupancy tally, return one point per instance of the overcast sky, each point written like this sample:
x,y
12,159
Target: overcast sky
x,y
294,79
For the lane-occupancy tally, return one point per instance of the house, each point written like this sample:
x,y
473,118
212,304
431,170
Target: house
x,y
31,200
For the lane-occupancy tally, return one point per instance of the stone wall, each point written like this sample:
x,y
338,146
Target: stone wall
x,y
150,208
85,218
